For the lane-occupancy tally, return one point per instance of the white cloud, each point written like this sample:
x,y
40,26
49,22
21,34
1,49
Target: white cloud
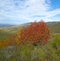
x,y
53,13
28,10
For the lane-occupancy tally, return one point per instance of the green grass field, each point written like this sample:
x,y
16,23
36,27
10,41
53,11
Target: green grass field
x,y
50,52
28,52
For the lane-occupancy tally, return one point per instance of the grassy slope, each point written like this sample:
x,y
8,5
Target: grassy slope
x,y
5,32
55,27
11,30
4,35
51,51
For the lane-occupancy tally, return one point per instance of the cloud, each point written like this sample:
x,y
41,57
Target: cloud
x,y
28,10
53,13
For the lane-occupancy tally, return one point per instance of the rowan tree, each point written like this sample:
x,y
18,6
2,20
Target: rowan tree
x,y
36,33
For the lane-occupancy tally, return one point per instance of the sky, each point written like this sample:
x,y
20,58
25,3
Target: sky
x,y
24,11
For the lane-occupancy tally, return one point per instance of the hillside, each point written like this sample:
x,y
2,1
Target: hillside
x,y
9,51
54,26
9,30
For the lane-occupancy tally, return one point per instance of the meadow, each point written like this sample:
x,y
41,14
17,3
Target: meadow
x,y
29,52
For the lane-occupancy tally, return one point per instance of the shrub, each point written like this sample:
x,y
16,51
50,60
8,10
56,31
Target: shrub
x,y
36,33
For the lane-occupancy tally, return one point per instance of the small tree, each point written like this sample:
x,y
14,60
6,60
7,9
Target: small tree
x,y
36,33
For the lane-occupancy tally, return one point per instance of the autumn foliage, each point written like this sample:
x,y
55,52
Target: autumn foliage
x,y
37,32
9,42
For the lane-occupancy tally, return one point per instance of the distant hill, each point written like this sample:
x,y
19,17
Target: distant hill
x,y
54,26
5,25
7,30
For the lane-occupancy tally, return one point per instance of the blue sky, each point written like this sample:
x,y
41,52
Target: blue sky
x,y
23,11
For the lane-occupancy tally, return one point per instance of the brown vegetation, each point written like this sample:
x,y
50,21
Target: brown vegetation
x,y
37,32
